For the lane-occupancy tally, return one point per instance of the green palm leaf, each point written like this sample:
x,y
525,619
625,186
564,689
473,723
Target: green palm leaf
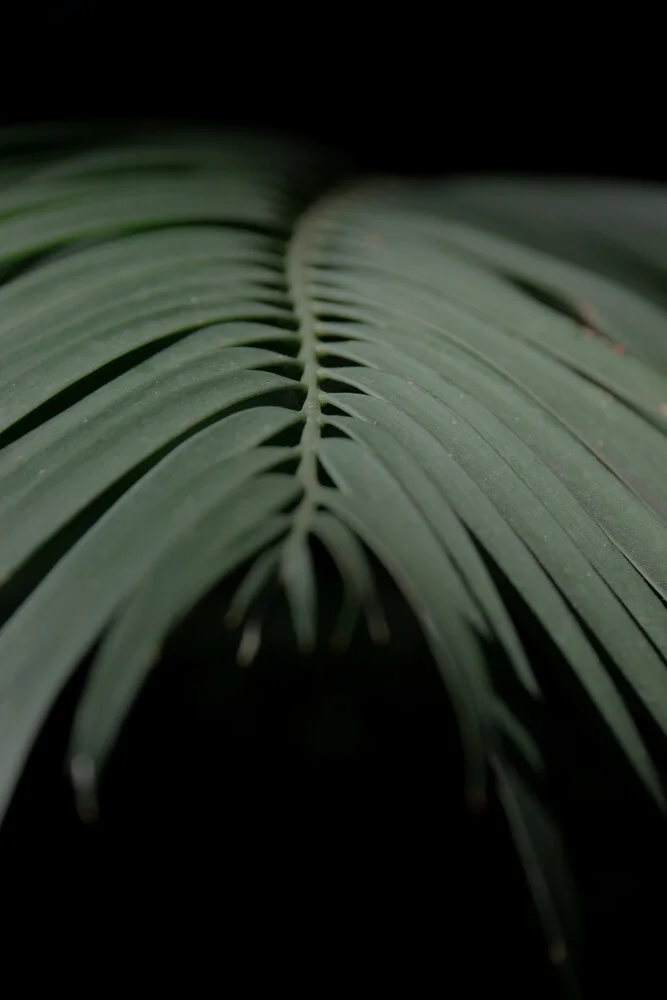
x,y
443,362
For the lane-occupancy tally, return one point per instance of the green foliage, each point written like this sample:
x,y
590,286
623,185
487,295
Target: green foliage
x,y
217,349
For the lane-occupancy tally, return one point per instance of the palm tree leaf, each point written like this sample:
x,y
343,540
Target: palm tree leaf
x,y
398,533
628,318
434,505
469,286
541,850
200,336
80,279
50,474
254,582
494,528
357,578
109,210
174,583
477,445
602,502
298,577
612,230
607,430
110,560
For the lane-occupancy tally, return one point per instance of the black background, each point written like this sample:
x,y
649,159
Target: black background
x,y
280,867
421,89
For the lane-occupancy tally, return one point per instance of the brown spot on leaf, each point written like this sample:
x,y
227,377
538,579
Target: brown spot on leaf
x,y
662,407
618,349
589,319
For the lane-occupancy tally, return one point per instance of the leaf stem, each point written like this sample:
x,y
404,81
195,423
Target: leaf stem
x,y
300,248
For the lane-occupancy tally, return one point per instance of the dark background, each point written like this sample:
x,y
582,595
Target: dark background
x,y
237,818
417,89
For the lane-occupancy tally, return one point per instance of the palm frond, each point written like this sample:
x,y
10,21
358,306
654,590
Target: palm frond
x,y
215,350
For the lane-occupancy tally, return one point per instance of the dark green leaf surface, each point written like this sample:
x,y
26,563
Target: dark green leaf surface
x,y
465,372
